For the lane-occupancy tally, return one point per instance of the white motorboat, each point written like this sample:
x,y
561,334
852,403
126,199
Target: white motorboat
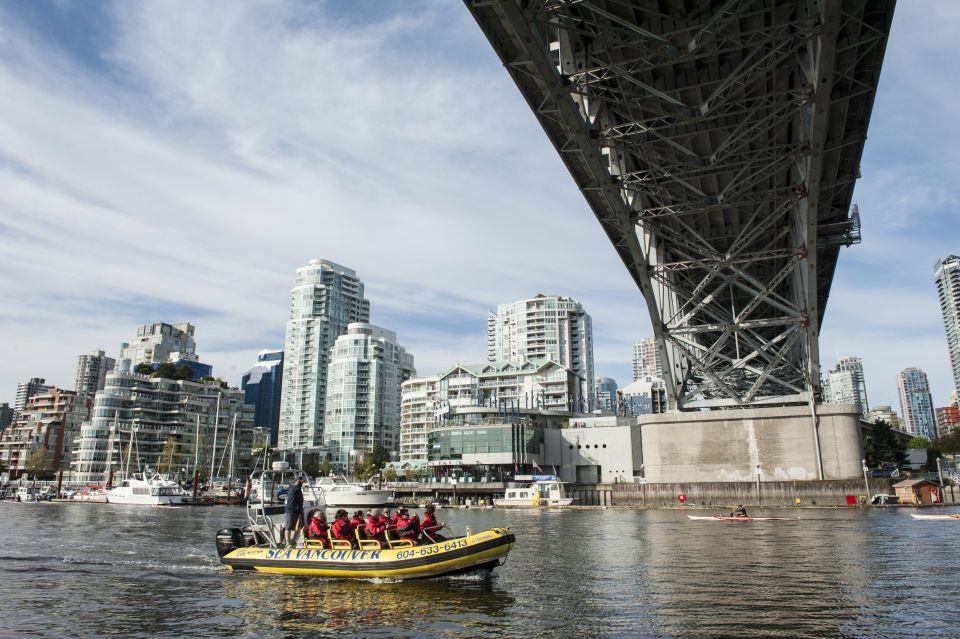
x,y
91,495
542,492
147,489
26,495
339,493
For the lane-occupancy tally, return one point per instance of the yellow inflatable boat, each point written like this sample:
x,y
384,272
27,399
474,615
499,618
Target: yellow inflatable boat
x,y
481,551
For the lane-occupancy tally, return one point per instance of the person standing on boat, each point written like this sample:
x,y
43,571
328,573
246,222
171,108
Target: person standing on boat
x,y
293,509
739,511
318,528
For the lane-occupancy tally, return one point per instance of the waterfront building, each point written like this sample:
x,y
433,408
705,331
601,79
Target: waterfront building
x,y
845,384
167,424
26,390
644,396
646,359
595,449
916,404
545,327
886,414
606,390
49,422
419,400
947,274
367,367
948,420
326,298
159,343
6,416
262,387
92,372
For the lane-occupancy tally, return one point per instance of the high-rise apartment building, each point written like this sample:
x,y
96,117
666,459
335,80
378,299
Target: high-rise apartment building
x,y
26,390
947,273
845,384
366,369
326,298
545,327
262,385
948,420
419,401
92,372
916,404
197,426
646,359
606,390
160,342
49,422
6,416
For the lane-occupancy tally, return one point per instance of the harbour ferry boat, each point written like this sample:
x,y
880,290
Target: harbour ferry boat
x,y
339,493
147,489
546,490
259,545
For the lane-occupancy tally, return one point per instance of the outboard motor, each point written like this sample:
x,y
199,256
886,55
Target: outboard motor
x,y
249,538
228,540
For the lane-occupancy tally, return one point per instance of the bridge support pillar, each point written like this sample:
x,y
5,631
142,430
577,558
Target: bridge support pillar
x,y
730,445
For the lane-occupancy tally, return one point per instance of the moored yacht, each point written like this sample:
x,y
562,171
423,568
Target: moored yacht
x,y
545,491
147,489
339,493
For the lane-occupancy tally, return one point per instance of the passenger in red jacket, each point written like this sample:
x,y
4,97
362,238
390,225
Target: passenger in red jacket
x,y
411,530
397,516
430,527
318,528
341,527
356,524
375,527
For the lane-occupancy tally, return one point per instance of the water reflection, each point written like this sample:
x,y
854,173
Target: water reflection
x,y
308,604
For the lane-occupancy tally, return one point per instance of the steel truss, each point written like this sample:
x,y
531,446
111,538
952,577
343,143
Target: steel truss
x,y
717,142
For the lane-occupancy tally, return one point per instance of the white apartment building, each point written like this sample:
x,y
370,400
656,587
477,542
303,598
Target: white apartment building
x,y
507,389
916,404
845,384
545,327
366,370
947,273
135,416
419,401
326,298
160,342
26,390
646,359
92,372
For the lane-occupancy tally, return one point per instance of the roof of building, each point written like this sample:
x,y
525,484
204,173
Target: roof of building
x,y
913,482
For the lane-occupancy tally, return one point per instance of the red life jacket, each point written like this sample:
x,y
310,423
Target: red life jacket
x,y
429,522
373,529
318,530
356,524
410,529
341,529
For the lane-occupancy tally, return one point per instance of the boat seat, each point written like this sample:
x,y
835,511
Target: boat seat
x,y
398,543
366,544
340,544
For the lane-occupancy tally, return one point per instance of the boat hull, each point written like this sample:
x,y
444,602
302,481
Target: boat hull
x,y
956,517
366,499
529,503
482,551
722,518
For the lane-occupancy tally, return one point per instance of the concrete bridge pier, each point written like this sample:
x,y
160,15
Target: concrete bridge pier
x,y
757,444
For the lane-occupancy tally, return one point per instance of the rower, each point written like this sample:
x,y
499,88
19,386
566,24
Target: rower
x,y
739,511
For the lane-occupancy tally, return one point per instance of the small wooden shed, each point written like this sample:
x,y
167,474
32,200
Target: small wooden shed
x,y
918,492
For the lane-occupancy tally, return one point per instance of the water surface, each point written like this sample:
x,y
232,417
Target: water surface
x,y
98,570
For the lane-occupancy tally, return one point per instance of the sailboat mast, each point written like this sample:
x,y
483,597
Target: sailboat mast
x,y
216,424
196,448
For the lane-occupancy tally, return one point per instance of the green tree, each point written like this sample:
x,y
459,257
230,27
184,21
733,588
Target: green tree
x,y
325,467
363,468
918,442
378,457
143,369
390,475
950,443
37,464
166,370
183,371
883,446
168,458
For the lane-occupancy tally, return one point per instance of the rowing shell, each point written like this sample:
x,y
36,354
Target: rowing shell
x,y
722,518
935,516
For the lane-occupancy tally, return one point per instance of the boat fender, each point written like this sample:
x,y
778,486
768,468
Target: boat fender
x,y
228,540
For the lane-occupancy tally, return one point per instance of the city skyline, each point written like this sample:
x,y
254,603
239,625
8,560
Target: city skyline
x,y
113,135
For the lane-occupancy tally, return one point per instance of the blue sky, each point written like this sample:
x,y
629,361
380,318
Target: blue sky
x,y
160,165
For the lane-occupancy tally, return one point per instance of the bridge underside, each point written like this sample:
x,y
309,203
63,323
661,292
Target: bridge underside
x,y
717,142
